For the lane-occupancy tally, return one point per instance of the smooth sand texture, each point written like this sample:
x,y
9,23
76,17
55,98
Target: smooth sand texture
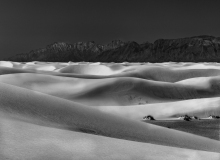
x,y
27,141
52,106
163,111
157,72
120,91
73,115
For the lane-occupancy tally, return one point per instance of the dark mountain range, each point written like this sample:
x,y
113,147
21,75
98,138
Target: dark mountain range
x,y
191,49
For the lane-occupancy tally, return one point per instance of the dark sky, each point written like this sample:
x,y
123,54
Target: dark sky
x,y
32,24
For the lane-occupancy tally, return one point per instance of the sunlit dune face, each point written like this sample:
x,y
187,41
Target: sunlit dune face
x,y
90,69
6,64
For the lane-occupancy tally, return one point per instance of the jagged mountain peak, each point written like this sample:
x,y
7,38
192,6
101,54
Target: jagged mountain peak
x,y
59,45
202,48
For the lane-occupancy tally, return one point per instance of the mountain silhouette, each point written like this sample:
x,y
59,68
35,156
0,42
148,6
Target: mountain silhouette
x,y
191,49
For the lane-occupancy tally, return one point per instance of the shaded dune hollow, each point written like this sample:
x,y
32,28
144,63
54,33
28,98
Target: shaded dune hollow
x,y
52,110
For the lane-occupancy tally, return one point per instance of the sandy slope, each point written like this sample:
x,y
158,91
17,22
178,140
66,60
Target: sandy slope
x,y
39,107
195,107
116,91
6,70
21,140
157,72
53,110
168,74
202,82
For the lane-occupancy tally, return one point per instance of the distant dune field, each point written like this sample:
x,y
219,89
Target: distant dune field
x,y
94,110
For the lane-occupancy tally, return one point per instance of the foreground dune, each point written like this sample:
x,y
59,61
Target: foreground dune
x,y
36,107
21,140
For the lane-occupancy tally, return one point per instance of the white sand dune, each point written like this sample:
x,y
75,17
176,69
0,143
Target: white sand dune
x,y
21,140
115,91
195,107
149,71
6,70
90,69
39,107
40,67
44,66
202,82
6,64
168,74
82,110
